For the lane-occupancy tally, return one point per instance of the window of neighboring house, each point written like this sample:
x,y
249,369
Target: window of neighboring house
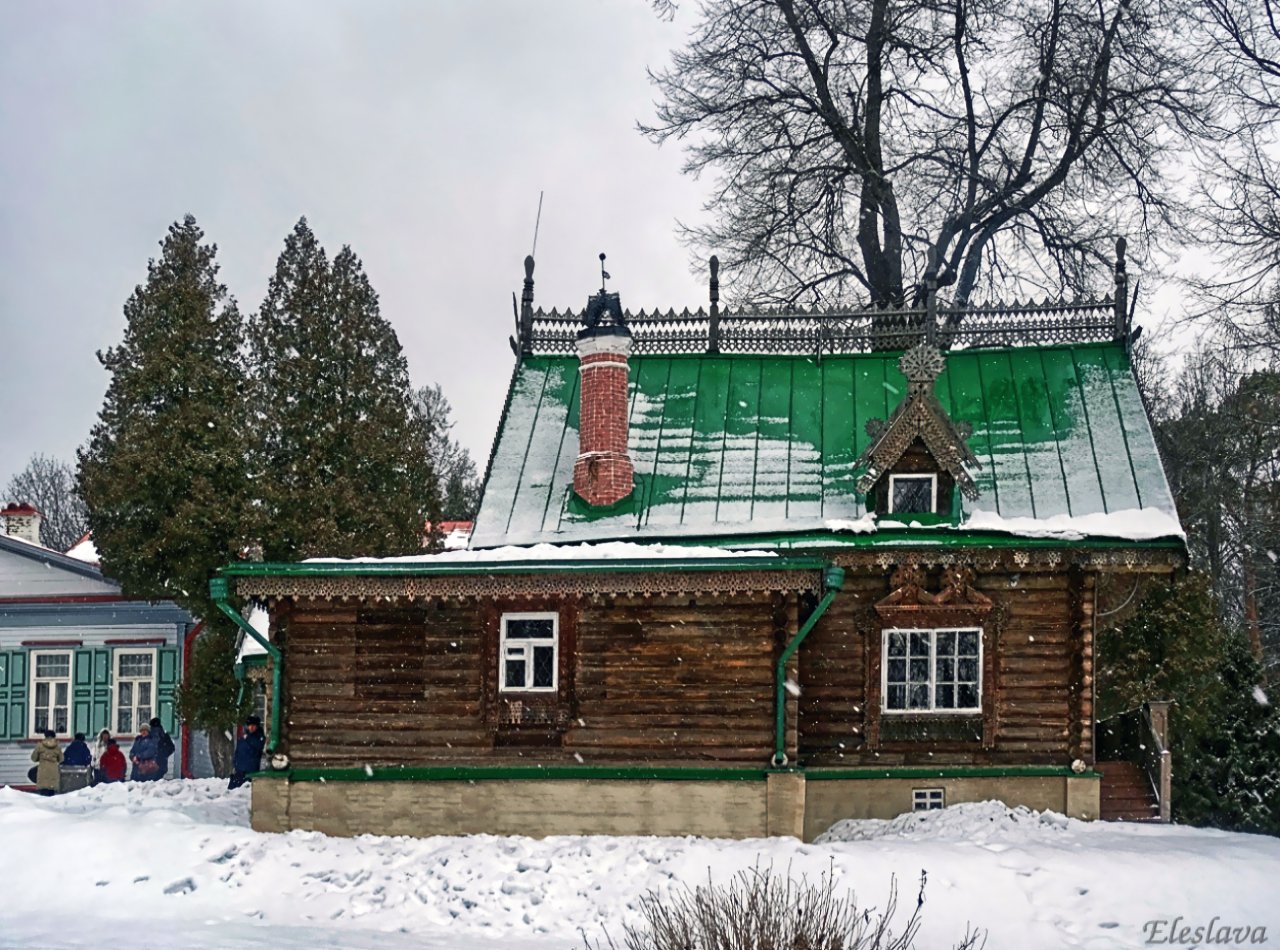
x,y
913,494
528,652
932,670
135,689
927,799
51,692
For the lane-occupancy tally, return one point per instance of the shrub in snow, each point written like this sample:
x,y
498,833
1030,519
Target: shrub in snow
x,y
758,909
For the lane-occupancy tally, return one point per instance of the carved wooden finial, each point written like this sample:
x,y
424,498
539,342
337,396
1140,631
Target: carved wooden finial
x,y
713,329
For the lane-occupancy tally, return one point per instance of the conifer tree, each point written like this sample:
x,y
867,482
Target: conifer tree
x,y
164,471
339,444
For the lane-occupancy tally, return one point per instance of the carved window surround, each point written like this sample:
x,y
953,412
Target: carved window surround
x,y
537,718
911,606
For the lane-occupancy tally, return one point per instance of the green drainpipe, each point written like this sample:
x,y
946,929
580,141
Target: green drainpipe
x,y
832,581
220,591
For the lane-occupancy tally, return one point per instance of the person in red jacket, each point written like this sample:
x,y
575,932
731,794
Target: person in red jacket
x,y
113,764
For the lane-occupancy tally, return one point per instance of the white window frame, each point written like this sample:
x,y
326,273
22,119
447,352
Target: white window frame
x,y
924,799
116,656
32,679
933,672
529,644
909,476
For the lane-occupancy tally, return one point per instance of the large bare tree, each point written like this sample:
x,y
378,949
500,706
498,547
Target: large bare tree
x,y
50,485
1015,138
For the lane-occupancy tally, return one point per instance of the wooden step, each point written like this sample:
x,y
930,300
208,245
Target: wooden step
x,y
1127,794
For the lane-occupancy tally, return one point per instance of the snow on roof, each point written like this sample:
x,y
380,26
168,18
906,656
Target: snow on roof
x,y
85,550
260,620
609,550
1131,524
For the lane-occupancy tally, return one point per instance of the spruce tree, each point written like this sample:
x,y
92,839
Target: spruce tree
x,y
339,444
164,471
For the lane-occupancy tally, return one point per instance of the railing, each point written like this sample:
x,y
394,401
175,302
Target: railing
x,y
1141,736
839,330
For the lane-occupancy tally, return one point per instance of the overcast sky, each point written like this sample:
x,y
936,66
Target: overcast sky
x,y
420,133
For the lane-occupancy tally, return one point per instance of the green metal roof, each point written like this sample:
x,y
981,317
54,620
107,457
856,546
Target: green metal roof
x,y
742,445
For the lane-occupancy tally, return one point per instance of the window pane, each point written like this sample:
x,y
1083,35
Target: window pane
x,y
544,664
60,694
144,714
919,696
897,644
125,691
946,698
543,629
913,495
53,665
897,697
919,671
42,720
42,694
136,664
969,642
60,719
124,721
919,644
897,671
144,694
513,674
946,670
969,670
946,642
968,696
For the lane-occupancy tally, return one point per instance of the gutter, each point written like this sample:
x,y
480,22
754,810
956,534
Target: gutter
x,y
220,591
832,582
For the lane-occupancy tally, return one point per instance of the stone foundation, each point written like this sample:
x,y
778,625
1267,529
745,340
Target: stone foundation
x,y
783,803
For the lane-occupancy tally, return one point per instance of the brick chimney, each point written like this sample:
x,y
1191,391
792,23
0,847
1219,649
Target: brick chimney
x,y
602,473
22,521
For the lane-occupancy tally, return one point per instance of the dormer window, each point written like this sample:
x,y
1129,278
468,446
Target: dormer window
x,y
913,494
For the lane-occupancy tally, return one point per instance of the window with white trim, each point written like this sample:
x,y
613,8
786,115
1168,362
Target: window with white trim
x,y
135,689
913,494
528,652
932,670
927,799
51,692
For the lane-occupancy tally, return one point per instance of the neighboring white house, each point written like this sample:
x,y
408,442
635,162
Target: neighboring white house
x,y
75,654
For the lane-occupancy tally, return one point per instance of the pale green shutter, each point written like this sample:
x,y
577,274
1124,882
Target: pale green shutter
x,y
13,694
166,682
82,692
102,686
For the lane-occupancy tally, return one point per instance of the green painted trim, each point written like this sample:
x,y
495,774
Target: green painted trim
x,y
491,773
220,592
832,582
573,566
946,771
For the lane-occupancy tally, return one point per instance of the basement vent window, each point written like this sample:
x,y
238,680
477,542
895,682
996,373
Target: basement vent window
x,y
913,494
927,799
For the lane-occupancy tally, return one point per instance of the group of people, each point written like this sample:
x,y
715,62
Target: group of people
x,y
149,753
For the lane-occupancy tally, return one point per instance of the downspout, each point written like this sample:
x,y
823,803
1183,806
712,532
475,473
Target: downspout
x,y
832,581
220,591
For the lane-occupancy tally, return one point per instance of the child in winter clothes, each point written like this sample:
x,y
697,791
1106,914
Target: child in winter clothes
x,y
112,765
47,756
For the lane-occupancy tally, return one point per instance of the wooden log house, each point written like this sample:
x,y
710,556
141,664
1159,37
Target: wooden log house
x,y
738,574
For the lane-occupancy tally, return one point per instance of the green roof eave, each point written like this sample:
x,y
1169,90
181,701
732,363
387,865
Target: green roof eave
x,y
547,566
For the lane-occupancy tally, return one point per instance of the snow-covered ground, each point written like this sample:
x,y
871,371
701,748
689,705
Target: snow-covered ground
x,y
174,864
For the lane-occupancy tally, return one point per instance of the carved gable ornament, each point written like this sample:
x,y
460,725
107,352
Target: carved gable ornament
x,y
910,604
919,416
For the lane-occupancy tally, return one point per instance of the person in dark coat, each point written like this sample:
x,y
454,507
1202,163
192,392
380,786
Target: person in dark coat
x,y
77,752
112,763
164,746
143,756
248,755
